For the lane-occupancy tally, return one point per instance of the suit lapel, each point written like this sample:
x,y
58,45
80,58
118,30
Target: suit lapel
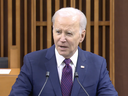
x,y
51,66
81,70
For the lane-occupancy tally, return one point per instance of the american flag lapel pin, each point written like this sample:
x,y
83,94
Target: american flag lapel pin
x,y
82,66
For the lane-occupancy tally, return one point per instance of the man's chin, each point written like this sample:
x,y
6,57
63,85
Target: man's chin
x,y
64,55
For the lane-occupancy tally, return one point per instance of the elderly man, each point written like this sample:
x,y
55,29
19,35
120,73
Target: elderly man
x,y
73,71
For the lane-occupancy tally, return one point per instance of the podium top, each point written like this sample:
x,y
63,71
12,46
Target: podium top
x,y
14,71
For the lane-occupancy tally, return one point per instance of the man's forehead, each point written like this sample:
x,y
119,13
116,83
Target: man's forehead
x,y
74,17
68,20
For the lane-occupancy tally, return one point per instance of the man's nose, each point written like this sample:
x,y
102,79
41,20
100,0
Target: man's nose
x,y
63,38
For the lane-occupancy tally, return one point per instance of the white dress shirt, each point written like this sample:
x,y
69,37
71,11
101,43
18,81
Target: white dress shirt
x,y
61,64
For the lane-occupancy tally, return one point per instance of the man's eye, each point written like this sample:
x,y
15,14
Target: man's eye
x,y
58,32
69,33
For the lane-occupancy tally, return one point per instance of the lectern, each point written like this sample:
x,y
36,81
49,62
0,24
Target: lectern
x,y
7,80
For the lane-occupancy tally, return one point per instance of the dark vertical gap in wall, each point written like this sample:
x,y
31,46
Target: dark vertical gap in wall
x,y
21,31
44,37
84,7
5,28
100,10
61,3
68,3
53,7
37,37
107,10
77,4
107,45
13,22
84,11
52,35
29,26
37,10
44,10
92,10
84,44
53,11
100,40
92,39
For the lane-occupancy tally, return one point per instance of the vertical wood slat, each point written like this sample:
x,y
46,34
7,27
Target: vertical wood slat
x,y
33,25
112,52
18,31
41,28
9,28
80,5
49,40
57,5
88,30
64,1
104,38
73,2
96,26
2,29
25,27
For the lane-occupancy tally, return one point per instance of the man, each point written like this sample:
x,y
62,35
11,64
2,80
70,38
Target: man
x,y
62,60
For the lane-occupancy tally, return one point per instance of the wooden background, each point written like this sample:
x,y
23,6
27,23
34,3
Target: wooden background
x,y
121,47
25,26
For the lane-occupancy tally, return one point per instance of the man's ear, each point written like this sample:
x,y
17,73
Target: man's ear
x,y
82,36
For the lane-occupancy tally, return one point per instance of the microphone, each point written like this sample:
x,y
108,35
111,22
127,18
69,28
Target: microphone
x,y
76,76
47,75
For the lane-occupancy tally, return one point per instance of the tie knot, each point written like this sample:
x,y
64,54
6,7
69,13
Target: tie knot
x,y
67,61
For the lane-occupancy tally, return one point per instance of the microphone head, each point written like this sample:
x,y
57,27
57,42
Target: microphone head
x,y
47,74
76,74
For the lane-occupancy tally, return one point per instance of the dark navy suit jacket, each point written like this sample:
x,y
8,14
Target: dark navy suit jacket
x,y
94,77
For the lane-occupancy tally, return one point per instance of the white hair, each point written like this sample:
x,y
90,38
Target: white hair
x,y
70,11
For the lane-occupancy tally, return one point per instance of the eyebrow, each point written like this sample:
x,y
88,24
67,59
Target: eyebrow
x,y
57,29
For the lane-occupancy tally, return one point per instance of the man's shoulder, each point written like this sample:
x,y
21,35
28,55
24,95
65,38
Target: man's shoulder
x,y
92,56
40,53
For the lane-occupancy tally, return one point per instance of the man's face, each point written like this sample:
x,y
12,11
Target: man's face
x,y
66,34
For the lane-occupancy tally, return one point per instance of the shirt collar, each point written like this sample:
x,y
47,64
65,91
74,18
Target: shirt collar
x,y
60,58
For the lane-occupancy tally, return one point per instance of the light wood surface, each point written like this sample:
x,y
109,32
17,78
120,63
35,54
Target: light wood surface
x,y
49,23
96,26
7,80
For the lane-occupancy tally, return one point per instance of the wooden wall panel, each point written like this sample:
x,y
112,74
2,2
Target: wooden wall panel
x,y
121,47
1,28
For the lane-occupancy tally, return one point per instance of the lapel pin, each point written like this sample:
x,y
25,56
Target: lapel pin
x,y
82,66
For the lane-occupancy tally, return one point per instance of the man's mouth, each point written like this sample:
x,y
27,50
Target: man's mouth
x,y
63,46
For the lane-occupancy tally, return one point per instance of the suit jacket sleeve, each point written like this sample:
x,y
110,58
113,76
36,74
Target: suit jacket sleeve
x,y
105,86
23,86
